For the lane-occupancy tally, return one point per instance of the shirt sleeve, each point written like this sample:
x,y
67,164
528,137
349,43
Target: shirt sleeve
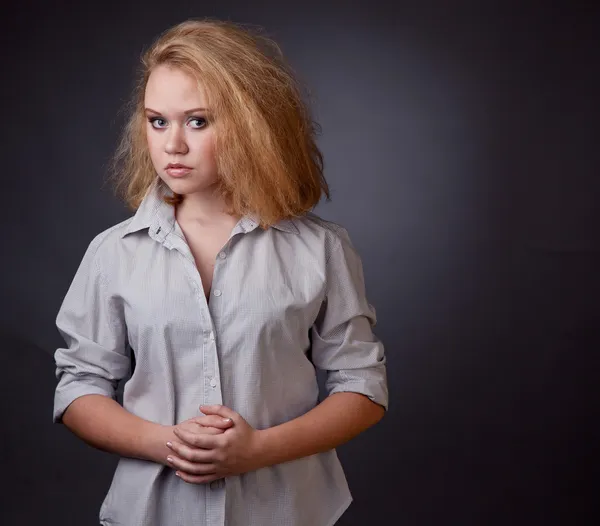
x,y
91,323
343,343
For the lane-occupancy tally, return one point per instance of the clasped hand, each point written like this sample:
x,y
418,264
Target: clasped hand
x,y
211,448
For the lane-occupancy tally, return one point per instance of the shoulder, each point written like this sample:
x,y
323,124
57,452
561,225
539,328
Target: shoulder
x,y
313,221
107,239
331,234
104,246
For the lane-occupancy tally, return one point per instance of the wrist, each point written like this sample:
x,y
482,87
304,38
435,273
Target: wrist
x,y
154,442
262,449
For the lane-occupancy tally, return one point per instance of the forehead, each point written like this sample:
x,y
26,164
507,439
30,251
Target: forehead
x,y
173,89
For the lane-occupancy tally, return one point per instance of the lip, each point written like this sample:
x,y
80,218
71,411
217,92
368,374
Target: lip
x,y
177,169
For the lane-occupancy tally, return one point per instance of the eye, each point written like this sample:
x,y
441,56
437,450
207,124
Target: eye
x,y
154,120
200,122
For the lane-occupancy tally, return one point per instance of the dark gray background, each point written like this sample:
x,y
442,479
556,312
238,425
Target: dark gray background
x,y
460,145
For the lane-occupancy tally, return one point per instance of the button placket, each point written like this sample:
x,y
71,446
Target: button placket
x,y
211,368
211,341
211,373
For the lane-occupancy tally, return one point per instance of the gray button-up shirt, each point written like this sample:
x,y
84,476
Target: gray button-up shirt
x,y
283,301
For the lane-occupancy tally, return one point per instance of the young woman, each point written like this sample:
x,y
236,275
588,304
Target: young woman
x,y
220,296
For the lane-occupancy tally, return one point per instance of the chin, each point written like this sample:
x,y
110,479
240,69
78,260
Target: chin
x,y
186,186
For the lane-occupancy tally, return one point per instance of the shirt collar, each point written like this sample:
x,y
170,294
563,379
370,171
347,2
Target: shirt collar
x,y
155,214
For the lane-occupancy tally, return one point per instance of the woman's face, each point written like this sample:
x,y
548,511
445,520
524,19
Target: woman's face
x,y
178,130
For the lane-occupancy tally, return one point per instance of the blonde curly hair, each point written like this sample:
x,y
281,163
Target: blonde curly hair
x,y
267,159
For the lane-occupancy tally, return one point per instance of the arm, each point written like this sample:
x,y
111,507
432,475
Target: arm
x,y
344,345
91,363
104,424
336,420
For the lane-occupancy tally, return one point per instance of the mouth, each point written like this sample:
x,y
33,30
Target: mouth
x,y
177,169
177,166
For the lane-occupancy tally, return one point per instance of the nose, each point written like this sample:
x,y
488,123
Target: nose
x,y
176,143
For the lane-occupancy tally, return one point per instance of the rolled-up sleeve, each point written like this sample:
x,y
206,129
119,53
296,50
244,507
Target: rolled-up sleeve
x,y
343,343
92,326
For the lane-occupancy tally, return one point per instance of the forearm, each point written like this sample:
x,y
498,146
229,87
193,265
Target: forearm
x,y
336,420
104,424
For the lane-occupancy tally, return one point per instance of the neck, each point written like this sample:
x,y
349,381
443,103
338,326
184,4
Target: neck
x,y
204,208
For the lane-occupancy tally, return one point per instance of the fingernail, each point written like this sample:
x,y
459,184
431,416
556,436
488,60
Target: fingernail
x,y
227,420
169,444
178,474
169,459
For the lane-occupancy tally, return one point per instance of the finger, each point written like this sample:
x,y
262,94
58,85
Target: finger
x,y
220,410
191,454
213,420
190,467
197,479
208,430
199,440
197,428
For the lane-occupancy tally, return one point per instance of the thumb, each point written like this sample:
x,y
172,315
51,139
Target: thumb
x,y
219,410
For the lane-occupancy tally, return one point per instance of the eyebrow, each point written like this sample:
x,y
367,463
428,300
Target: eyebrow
x,y
193,110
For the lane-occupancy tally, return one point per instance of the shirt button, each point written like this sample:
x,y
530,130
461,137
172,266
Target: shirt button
x,y
212,335
217,292
213,382
222,255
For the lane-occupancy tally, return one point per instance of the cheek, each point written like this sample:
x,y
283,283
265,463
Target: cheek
x,y
206,147
153,144
209,149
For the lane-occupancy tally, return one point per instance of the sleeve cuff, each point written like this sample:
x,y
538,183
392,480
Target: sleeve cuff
x,y
72,388
376,391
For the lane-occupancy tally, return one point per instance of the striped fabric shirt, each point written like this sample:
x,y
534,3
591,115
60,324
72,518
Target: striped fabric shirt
x,y
284,301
